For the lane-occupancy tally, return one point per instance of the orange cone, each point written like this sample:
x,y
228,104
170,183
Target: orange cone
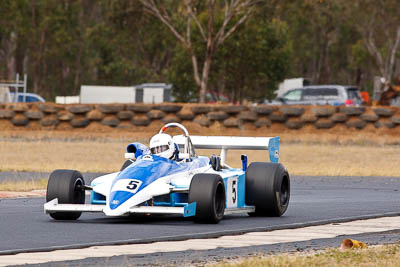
x,y
351,243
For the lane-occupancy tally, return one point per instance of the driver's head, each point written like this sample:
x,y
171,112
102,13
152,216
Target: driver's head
x,y
162,145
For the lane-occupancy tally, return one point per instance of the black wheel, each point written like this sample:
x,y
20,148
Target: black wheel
x,y
126,164
208,191
66,185
267,188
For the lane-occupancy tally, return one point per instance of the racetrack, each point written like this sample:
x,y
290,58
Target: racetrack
x,y
314,200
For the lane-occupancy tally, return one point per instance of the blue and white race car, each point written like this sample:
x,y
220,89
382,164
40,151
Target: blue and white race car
x,y
204,188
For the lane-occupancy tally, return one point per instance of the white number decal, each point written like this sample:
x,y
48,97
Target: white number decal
x,y
129,185
232,193
234,197
133,185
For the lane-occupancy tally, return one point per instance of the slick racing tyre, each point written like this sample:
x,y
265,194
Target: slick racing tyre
x,y
126,164
267,188
66,186
208,191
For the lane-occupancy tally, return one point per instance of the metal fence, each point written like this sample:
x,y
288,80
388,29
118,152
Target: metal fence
x,y
16,85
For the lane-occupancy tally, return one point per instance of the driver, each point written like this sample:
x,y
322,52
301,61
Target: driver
x,y
162,145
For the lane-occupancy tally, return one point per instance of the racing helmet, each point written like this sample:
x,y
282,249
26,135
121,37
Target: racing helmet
x,y
162,145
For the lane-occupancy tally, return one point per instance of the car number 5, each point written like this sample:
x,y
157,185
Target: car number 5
x,y
234,192
133,185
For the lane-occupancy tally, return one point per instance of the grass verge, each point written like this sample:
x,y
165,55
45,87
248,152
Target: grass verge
x,y
314,159
23,186
298,158
387,255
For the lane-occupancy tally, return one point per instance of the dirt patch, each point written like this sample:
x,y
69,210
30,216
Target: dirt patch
x,y
308,134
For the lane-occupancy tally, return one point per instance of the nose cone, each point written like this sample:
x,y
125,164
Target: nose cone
x,y
122,190
119,197
137,176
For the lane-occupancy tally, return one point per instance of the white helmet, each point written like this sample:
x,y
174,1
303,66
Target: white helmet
x,y
162,145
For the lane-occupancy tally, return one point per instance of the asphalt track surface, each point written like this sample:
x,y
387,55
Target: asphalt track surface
x,y
314,200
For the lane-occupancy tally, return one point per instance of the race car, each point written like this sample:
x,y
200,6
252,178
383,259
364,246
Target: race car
x,y
189,185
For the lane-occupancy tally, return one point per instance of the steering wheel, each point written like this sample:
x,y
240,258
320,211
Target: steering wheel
x,y
174,124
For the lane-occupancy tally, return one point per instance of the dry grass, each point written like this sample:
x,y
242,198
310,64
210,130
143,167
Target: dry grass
x,y
348,160
45,156
299,159
23,186
340,160
339,134
388,255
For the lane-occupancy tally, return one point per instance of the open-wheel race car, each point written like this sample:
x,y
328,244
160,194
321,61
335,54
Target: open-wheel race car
x,y
170,178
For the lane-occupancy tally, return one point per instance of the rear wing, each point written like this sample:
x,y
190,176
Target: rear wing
x,y
234,142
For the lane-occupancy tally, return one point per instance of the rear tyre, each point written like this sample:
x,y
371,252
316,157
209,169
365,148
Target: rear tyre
x,y
66,186
208,191
267,188
126,164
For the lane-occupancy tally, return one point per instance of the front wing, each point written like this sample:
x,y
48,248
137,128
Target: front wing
x,y
187,211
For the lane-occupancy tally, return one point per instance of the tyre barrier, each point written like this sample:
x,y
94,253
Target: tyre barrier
x,y
294,118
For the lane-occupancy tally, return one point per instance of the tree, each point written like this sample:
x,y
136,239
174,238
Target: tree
x,y
253,73
11,30
212,37
378,23
181,76
127,46
314,30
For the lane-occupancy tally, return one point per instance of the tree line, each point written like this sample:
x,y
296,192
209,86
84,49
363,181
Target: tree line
x,y
239,48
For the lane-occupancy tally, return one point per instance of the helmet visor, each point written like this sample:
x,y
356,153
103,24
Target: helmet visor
x,y
158,149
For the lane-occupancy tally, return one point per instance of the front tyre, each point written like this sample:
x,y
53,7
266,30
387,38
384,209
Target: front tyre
x,y
208,191
67,187
267,188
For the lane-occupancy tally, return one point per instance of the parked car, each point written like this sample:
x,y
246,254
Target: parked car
x,y
26,97
217,97
335,95
213,97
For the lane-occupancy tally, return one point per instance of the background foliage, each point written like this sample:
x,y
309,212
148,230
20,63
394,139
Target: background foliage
x,y
62,44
